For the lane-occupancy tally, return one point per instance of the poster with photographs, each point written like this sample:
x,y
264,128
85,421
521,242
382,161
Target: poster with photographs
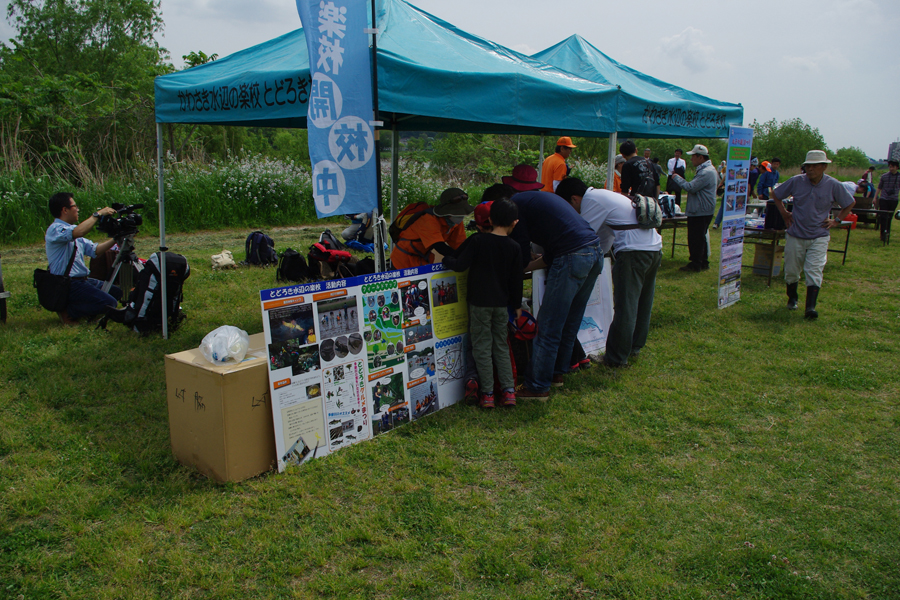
x,y
353,358
383,319
346,408
740,145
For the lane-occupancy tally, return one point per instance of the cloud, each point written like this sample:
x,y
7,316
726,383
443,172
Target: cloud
x,y
523,49
826,59
690,50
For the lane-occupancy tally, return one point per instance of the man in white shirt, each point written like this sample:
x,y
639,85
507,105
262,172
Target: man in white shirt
x,y
637,252
676,166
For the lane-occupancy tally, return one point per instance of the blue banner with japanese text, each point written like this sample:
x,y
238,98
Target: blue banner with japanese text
x,y
341,141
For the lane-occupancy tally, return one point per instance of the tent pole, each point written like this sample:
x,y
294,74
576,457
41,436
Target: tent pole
x,y
161,192
611,160
395,166
540,168
379,209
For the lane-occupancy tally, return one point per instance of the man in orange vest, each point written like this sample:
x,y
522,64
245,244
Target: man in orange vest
x,y
555,168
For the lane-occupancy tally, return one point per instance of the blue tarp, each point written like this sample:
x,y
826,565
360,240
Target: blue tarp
x,y
431,77
647,107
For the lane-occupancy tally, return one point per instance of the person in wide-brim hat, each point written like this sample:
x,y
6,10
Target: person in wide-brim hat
x,y
438,228
523,179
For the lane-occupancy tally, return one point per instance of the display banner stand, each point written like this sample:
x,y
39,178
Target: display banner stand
x,y
737,173
350,359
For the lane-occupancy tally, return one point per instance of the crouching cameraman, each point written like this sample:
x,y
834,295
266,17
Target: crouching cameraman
x,y
64,237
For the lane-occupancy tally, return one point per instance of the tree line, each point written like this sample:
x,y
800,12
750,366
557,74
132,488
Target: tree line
x,y
76,102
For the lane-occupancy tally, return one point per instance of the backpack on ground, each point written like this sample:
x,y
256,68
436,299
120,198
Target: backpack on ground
x,y
291,266
327,262
409,215
260,250
648,212
144,310
327,236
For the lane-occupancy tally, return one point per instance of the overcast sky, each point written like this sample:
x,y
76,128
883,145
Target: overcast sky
x,y
832,63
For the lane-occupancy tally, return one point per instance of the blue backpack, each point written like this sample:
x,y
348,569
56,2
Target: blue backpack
x,y
260,250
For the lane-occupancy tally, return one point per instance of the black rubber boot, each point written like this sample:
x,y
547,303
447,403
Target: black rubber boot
x,y
812,293
792,296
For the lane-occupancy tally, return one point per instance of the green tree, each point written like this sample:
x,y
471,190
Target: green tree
x,y
851,157
76,86
788,140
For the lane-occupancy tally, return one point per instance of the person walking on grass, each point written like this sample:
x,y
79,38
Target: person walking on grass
x,y
494,261
809,226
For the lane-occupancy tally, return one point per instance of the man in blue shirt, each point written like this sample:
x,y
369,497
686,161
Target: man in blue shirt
x,y
65,236
573,259
769,179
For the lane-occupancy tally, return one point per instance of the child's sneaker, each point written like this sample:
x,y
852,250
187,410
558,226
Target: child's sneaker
x,y
487,400
508,398
471,395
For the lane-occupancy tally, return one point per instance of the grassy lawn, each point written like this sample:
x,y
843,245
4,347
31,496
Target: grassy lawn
x,y
748,453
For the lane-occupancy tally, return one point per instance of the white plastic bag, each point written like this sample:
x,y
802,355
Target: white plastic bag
x,y
223,343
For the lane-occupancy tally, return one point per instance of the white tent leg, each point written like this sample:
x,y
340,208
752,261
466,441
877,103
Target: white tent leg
x,y
611,160
161,191
541,159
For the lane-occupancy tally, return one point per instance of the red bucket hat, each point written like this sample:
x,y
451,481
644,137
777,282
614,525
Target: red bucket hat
x,y
524,179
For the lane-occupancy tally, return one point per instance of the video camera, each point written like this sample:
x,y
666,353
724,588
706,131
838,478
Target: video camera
x,y
124,223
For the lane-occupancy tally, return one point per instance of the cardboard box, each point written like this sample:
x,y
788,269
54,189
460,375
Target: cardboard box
x,y
762,259
220,418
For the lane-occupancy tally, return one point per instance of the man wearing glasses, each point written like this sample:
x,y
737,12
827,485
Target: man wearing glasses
x,y
65,236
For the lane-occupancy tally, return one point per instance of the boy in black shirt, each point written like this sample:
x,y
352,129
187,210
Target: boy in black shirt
x,y
495,284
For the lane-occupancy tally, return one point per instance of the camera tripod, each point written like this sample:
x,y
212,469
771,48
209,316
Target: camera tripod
x,y
127,257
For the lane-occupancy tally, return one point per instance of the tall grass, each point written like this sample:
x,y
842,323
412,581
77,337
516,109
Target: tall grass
x,y
251,191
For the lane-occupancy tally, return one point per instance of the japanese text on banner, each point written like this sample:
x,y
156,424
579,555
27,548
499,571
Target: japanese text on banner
x,y
341,141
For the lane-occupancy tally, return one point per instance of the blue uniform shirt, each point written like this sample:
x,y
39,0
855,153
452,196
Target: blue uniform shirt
x,y
58,241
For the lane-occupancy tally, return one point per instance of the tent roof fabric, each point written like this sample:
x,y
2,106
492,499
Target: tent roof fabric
x,y
647,106
431,77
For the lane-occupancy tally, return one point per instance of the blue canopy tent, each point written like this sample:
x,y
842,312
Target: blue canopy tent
x,y
646,107
431,77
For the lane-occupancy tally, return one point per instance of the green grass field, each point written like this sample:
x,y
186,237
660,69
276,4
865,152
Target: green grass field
x,y
748,453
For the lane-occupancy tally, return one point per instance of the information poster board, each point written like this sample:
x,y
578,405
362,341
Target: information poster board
x,y
737,174
350,359
598,314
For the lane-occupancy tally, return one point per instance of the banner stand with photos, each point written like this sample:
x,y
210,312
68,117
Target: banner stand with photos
x,y
737,174
350,359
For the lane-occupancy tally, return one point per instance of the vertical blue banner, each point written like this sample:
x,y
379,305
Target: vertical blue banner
x,y
341,141
737,173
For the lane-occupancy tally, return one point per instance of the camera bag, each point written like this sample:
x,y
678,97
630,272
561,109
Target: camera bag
x,y
53,290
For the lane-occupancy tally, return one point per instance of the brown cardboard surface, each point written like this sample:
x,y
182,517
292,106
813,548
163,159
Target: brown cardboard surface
x,y
220,418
